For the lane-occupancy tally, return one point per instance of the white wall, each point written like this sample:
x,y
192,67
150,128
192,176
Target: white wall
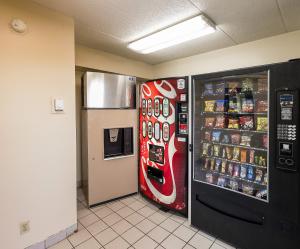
x,y
270,50
96,59
37,149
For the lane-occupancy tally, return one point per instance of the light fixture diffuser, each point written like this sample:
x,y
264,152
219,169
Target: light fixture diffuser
x,y
179,33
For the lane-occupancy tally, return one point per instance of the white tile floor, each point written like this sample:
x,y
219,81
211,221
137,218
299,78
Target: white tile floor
x,y
133,222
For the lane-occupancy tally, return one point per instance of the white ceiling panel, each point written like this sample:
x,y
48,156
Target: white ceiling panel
x,y
290,10
244,20
109,25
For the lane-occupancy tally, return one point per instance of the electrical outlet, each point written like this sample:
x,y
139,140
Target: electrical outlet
x,y
24,227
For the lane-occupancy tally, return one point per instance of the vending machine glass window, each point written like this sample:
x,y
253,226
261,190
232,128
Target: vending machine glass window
x,y
231,133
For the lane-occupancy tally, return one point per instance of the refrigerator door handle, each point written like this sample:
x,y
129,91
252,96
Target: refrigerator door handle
x,y
253,220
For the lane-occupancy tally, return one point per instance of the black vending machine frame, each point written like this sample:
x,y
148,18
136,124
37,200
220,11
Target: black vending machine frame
x,y
245,222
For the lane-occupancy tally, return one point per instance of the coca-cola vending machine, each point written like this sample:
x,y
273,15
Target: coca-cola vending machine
x,y
163,140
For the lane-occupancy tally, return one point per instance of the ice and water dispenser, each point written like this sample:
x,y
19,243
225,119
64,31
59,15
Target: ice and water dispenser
x,y
118,142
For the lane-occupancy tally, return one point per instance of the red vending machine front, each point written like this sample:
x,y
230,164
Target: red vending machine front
x,y
163,140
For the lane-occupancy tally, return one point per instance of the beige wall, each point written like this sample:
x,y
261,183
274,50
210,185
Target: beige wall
x,y
37,148
270,50
96,59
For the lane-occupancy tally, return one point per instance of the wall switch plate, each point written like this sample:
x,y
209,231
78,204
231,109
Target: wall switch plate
x,y
24,227
57,105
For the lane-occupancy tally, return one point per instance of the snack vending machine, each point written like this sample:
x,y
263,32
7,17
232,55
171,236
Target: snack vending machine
x,y
245,177
164,141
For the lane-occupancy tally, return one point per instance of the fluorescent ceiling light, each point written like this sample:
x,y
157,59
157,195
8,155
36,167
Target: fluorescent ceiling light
x,y
181,32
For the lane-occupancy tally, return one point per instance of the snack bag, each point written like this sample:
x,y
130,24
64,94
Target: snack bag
x,y
220,88
247,85
220,122
261,106
233,123
209,178
265,141
251,156
207,135
236,170
230,169
225,139
247,122
218,164
223,167
209,106
223,152
262,124
209,122
258,175
234,185
220,105
236,153
266,178
247,105
233,87
243,155
235,138
247,189
208,89
229,153
262,85
216,136
243,173
206,163
221,181
205,149
212,164
216,150
250,173
234,105
246,140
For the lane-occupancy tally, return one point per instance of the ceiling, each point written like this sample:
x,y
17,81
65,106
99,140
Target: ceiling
x,y
109,25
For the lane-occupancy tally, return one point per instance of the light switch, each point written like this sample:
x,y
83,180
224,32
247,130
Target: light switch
x,y
58,105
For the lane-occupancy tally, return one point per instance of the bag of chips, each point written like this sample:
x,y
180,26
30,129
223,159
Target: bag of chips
x,y
216,136
250,173
235,138
209,106
206,163
223,168
221,181
262,124
233,123
261,106
212,164
247,189
258,175
220,122
243,173
230,169
209,122
247,85
218,164
216,150
229,153
265,141
236,170
234,185
243,155
220,105
234,105
246,122
236,154
220,88
209,178
208,89
205,149
246,140
251,156
247,105
225,139
233,87
207,135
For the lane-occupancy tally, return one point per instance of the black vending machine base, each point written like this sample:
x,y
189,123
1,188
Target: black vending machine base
x,y
245,186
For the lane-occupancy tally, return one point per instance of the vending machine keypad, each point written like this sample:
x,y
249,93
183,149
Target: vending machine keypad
x,y
287,121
